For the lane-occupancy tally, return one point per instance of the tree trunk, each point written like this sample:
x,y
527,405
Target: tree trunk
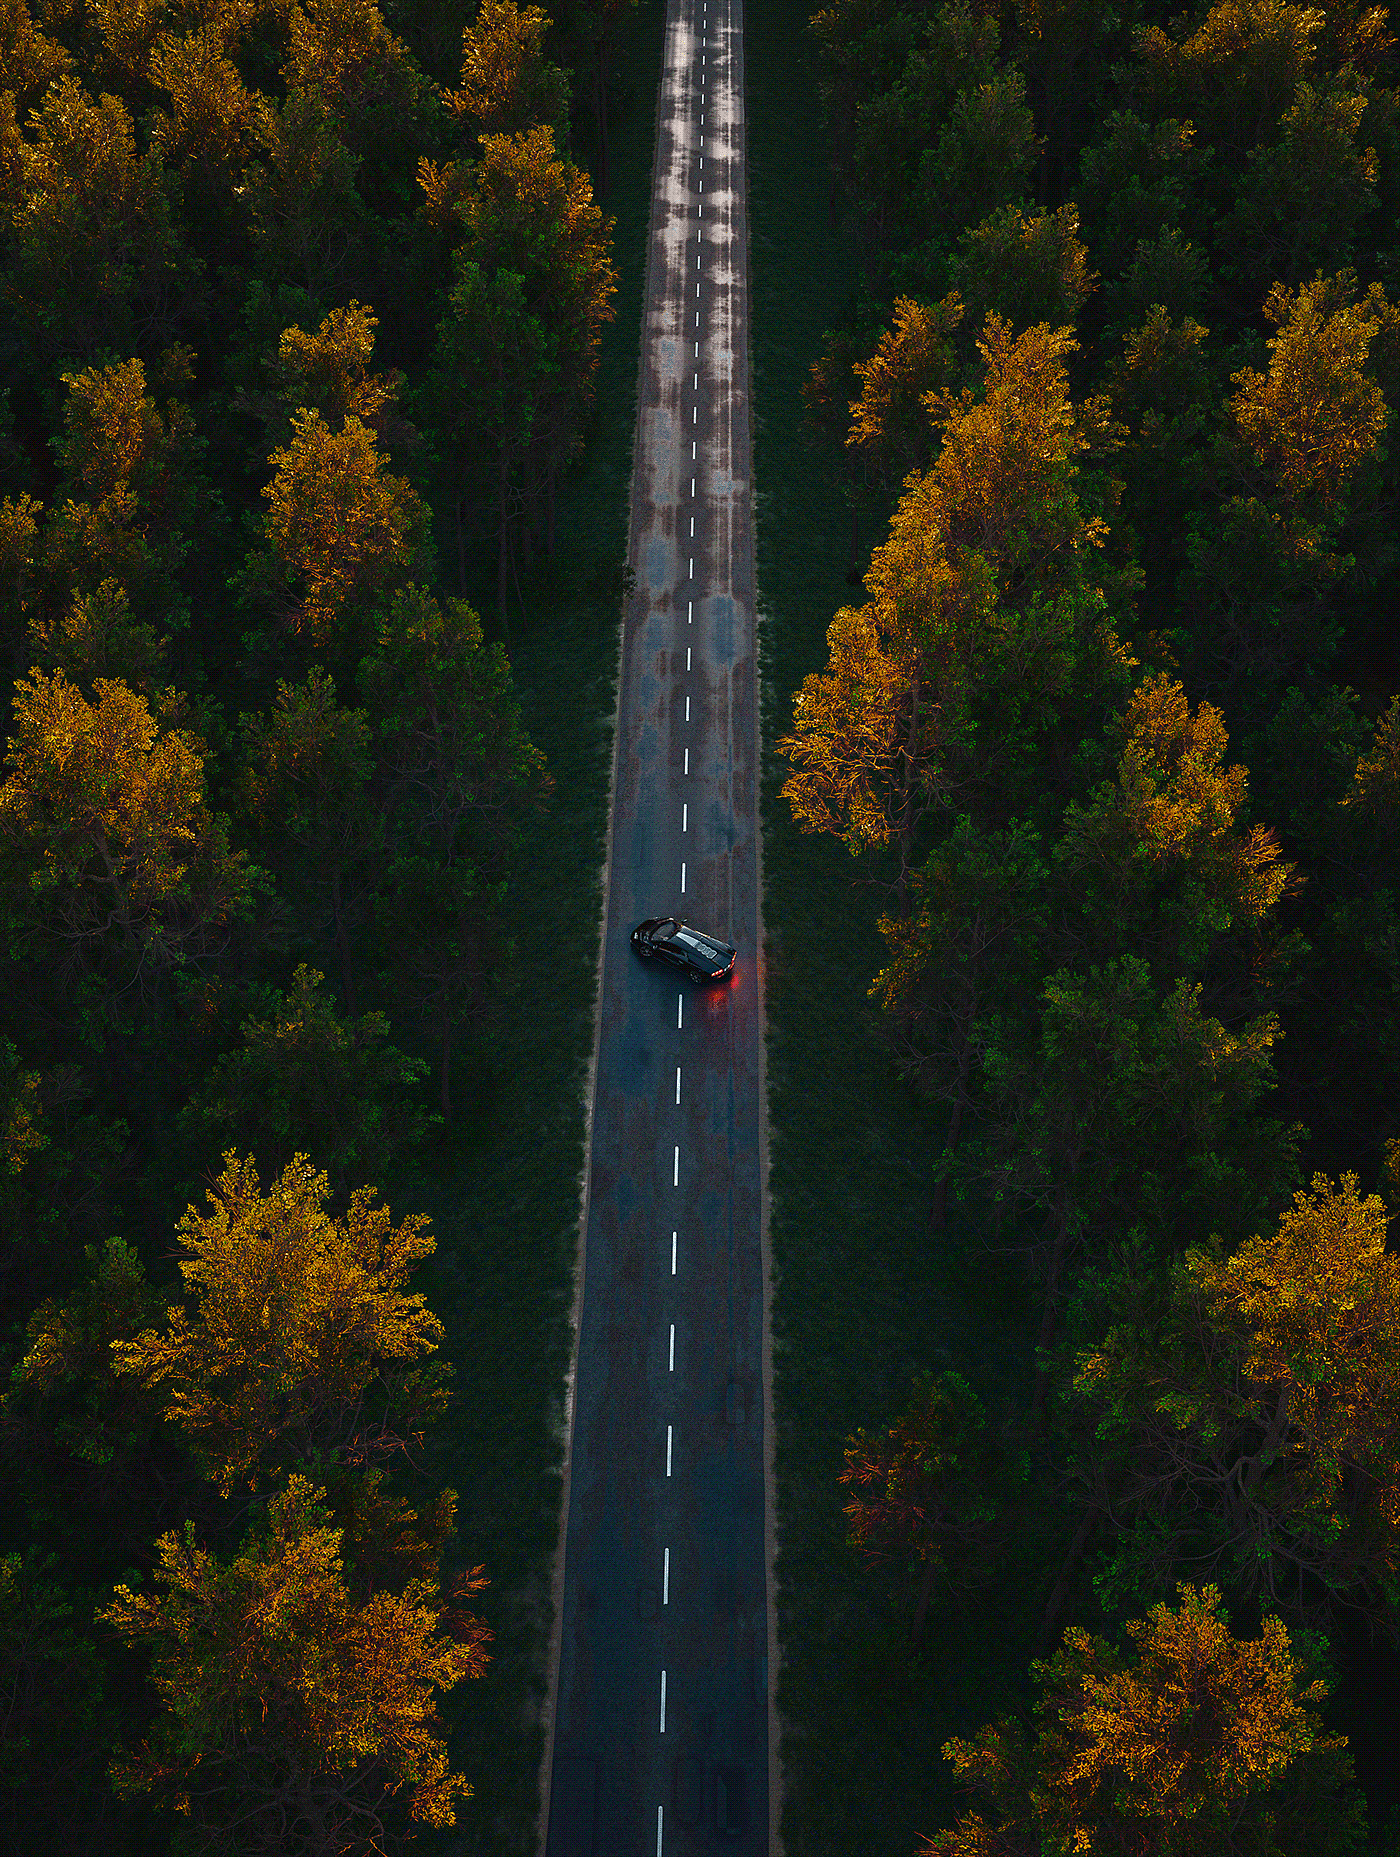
x,y
950,1147
342,942
916,1630
502,565
1047,1315
1051,1616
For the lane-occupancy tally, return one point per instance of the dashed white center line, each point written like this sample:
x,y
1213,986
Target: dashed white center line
x,y
687,709
682,879
658,1831
668,1450
678,1083
672,1366
687,761
685,816
692,525
687,657
680,1009
663,1702
666,1579
673,1254
676,1168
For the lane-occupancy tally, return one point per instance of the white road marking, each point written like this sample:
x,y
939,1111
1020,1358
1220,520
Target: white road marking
x,y
687,657
676,1168
658,1831
690,612
663,1702
685,815
692,561
682,879
680,1008
687,761
672,1367
692,525
678,1083
673,1254
687,709
692,481
694,415
666,1577
668,1450
695,382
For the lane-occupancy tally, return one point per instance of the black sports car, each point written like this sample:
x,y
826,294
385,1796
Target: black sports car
x,y
671,938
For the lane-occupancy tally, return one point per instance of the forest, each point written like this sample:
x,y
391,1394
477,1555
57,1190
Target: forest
x,y
1111,734
300,334
299,337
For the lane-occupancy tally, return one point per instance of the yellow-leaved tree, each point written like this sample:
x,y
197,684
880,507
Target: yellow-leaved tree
x,y
344,532
983,621
111,860
300,1708
1252,1424
297,1341
1179,1747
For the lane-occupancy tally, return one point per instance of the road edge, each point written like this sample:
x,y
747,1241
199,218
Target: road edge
x,y
770,1483
556,1632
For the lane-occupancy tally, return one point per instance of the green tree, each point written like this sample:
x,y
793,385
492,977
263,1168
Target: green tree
x,y
922,1488
94,1429
963,954
304,209
303,1078
1302,199
54,1732
296,1706
1030,271
462,781
985,153
309,762
1118,1106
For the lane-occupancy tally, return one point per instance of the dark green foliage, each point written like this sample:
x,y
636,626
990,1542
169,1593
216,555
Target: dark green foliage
x,y
1137,988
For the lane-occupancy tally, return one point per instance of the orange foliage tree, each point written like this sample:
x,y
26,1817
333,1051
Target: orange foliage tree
x,y
1181,1748
300,1709
110,853
297,1341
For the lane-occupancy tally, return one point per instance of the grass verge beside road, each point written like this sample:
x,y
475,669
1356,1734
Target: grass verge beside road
x,y
864,1296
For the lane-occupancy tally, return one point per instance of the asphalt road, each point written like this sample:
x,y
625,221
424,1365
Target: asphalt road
x,y
660,1741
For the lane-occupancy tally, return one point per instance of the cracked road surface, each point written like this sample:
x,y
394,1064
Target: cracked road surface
x,y
660,1719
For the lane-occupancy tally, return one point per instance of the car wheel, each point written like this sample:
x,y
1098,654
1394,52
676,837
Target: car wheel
x,y
644,951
